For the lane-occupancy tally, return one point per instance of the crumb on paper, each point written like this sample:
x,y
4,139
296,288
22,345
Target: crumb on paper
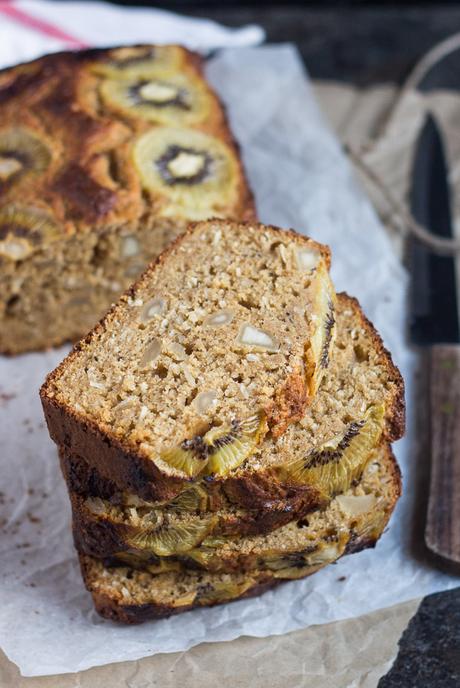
x,y
32,518
5,397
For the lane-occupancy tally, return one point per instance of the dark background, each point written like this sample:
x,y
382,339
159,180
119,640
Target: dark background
x,y
361,42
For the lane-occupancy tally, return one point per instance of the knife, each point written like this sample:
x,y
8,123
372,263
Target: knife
x,y
434,323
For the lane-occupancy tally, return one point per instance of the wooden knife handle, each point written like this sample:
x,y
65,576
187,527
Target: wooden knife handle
x,y
442,532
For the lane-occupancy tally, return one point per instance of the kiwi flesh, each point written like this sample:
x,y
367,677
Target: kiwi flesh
x,y
208,556
173,538
187,171
222,590
21,153
141,61
23,231
220,450
332,467
317,353
170,100
196,499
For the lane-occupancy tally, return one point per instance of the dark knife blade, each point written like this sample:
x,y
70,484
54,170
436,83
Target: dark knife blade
x,y
433,295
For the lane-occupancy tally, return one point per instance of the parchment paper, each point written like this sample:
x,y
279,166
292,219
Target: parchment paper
x,y
346,654
301,179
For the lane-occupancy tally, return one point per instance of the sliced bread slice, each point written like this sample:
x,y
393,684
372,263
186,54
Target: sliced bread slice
x,y
224,338
132,596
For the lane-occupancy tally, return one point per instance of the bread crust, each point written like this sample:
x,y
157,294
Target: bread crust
x,y
133,615
48,95
54,99
115,459
111,608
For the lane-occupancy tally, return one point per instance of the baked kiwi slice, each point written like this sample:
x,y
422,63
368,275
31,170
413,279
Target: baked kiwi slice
x,y
21,153
138,61
149,562
220,450
24,231
207,553
189,173
208,556
294,565
171,100
194,500
222,590
170,538
317,352
332,467
284,565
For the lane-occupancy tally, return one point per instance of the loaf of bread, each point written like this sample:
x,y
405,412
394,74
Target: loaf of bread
x,y
105,156
354,410
224,339
352,522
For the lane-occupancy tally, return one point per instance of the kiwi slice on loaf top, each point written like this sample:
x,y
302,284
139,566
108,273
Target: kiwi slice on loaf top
x,y
224,338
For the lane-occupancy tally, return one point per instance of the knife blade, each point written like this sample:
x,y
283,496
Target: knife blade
x,y
433,296
434,323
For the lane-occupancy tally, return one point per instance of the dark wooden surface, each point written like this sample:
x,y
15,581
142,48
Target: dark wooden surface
x,y
442,533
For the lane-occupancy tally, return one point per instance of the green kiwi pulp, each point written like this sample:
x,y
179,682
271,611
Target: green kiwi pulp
x,y
220,450
332,467
173,538
21,153
190,174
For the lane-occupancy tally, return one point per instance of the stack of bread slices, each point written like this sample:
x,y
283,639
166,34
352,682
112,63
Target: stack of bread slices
x,y
226,427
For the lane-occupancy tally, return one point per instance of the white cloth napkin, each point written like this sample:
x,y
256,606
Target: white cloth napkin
x,y
29,28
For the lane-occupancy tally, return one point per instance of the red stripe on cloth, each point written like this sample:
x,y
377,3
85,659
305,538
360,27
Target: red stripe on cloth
x,y
7,8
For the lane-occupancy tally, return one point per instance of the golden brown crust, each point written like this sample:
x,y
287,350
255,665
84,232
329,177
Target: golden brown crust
x,y
50,97
288,405
111,607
